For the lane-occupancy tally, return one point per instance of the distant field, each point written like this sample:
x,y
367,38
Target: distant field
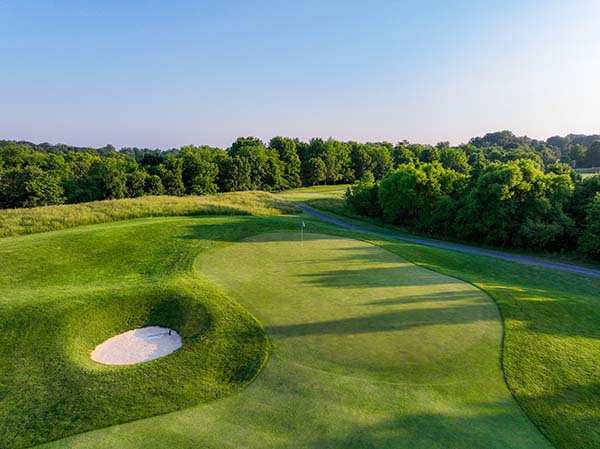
x,y
324,188
309,193
588,172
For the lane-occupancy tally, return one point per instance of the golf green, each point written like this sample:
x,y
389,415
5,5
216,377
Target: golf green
x,y
367,351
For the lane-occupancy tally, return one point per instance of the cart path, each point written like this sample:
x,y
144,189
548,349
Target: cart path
x,y
454,246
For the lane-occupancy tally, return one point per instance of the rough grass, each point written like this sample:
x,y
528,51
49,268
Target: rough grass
x,y
317,189
49,218
310,193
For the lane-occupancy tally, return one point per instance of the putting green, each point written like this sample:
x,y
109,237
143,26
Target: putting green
x,y
368,351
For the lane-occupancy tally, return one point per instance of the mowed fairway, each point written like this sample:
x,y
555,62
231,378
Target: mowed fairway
x,y
367,351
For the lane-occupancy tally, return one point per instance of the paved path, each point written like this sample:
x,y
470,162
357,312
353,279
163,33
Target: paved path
x,y
454,246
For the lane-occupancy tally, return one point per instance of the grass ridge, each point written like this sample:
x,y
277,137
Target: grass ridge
x,y
15,222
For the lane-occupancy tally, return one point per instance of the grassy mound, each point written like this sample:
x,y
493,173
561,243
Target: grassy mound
x,y
50,218
78,289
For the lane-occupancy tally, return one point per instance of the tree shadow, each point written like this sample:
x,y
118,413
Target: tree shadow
x,y
372,277
494,426
430,297
397,320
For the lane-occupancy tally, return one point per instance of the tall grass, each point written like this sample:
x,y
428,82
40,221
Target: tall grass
x,y
49,218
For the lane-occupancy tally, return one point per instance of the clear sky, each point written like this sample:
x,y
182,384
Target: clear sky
x,y
170,73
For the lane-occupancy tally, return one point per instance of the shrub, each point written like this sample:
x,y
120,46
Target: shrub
x,y
363,198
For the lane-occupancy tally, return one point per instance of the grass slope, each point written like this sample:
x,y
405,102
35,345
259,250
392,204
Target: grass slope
x,y
65,292
50,218
368,351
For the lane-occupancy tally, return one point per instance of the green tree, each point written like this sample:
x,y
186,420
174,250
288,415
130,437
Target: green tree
x,y
110,173
577,154
402,155
14,155
592,157
154,185
274,173
199,171
516,204
315,171
584,193
286,151
455,159
363,197
30,187
170,173
408,195
253,150
336,157
361,159
234,174
136,183
382,160
429,154
589,243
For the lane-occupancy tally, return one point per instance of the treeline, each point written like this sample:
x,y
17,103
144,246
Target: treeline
x,y
493,192
498,189
37,175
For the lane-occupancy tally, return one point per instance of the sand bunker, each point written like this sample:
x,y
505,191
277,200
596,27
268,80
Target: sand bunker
x,y
136,346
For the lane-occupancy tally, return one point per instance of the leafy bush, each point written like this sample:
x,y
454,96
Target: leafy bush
x,y
363,198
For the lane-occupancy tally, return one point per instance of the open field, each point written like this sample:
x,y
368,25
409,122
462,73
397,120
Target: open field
x,y
588,172
313,193
366,349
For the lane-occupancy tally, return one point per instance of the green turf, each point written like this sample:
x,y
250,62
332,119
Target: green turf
x,y
367,351
64,293
59,283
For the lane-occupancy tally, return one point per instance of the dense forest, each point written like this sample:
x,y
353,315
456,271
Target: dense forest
x,y
498,189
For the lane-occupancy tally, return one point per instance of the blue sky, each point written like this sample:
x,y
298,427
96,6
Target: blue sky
x,y
165,74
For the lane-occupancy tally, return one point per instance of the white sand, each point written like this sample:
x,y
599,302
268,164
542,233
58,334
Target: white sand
x,y
136,346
